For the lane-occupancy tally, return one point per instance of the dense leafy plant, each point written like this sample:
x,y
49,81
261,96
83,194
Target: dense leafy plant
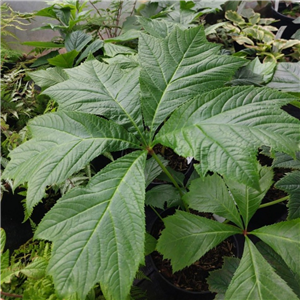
x,y
174,96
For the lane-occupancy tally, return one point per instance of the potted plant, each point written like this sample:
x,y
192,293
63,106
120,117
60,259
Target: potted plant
x,y
174,96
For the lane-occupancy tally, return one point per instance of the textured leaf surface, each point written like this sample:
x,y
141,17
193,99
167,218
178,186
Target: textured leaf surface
x,y
65,60
77,40
188,237
280,267
291,184
283,160
49,77
177,68
249,199
101,89
36,269
112,50
284,238
62,144
93,47
286,77
153,169
92,243
230,124
210,194
255,279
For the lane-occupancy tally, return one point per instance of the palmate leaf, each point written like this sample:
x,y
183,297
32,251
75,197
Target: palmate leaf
x,y
183,230
92,243
210,194
101,89
291,184
177,68
255,279
284,238
62,144
230,125
249,199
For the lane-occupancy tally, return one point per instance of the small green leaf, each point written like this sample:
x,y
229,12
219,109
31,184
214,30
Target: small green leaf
x,y
65,60
77,40
36,269
48,77
284,238
112,50
163,195
2,239
43,60
248,199
178,176
234,17
129,35
92,243
153,169
184,229
150,243
283,160
210,194
92,48
256,279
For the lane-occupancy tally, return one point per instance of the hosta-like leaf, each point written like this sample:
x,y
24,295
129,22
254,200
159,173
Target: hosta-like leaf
x,y
291,184
101,89
286,77
177,68
210,194
248,199
62,144
98,231
49,77
185,229
224,128
256,279
284,238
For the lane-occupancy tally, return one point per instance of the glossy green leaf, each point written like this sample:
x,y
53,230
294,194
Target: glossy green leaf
x,y
255,279
184,229
210,194
162,196
249,199
291,184
92,243
230,125
177,68
101,89
62,144
280,267
65,60
77,40
48,77
286,77
284,238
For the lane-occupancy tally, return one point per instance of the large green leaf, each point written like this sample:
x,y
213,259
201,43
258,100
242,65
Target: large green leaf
x,y
101,89
93,47
62,144
65,60
230,124
177,68
249,199
99,231
286,77
256,279
291,184
210,194
77,40
284,238
187,237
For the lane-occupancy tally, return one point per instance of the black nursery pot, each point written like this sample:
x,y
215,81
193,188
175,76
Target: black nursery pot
x,y
283,20
164,289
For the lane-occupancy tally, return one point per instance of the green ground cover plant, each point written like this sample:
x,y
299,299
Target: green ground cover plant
x,y
174,95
